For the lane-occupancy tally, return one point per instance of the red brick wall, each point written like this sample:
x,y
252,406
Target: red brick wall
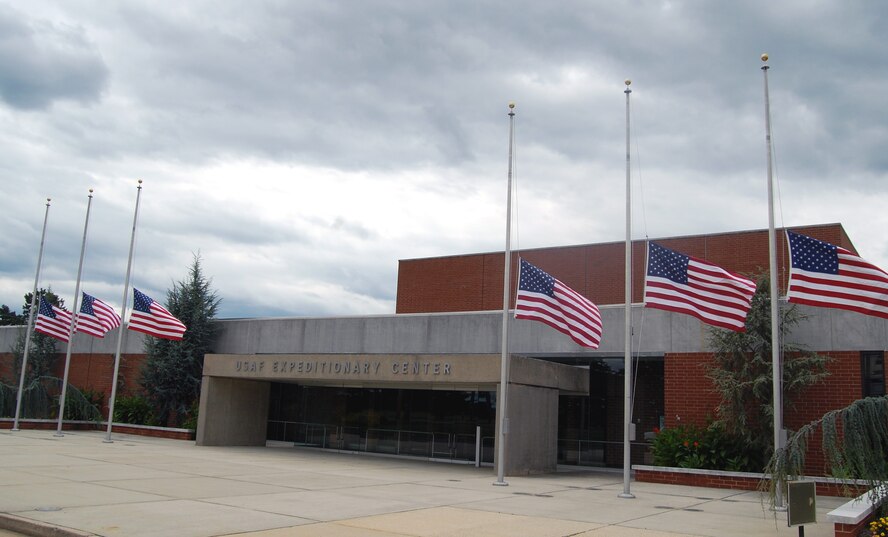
x,y
840,389
90,371
690,397
704,478
474,282
852,530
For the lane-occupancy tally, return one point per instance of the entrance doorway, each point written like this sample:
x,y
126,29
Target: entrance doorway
x,y
435,424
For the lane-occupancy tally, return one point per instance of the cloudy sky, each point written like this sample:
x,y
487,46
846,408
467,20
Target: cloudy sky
x,y
303,147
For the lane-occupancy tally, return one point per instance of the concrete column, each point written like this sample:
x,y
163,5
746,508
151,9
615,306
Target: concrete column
x,y
233,412
532,435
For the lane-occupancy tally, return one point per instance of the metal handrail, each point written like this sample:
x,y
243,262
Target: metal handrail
x,y
456,446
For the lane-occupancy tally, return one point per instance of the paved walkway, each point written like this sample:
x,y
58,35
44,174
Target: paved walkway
x,y
139,486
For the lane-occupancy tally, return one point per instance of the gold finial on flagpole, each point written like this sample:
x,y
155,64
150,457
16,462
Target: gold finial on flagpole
x,y
628,82
511,104
765,57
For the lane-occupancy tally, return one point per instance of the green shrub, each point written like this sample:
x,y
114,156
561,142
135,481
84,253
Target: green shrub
x,y
135,410
191,419
711,448
83,405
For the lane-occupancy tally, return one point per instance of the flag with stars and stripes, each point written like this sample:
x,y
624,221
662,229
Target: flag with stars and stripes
x,y
96,318
543,298
684,284
151,318
53,321
829,276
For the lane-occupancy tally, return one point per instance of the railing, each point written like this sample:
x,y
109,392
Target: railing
x,y
442,446
432,445
600,452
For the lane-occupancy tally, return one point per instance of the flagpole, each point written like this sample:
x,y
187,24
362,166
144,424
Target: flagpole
x,y
627,347
120,334
74,313
502,400
18,401
774,288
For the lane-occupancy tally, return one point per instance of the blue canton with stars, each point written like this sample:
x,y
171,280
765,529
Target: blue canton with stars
x,y
141,301
535,280
45,309
813,255
665,263
87,306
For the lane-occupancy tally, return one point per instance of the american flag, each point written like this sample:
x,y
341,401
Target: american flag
x,y
684,284
53,321
830,276
543,298
151,318
95,317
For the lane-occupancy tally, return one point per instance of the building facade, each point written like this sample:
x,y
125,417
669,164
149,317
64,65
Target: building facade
x,y
424,381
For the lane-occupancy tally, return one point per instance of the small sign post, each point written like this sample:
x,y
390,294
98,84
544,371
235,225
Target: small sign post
x,y
801,504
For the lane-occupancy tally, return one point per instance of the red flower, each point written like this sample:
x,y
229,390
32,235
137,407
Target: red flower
x,y
686,443
696,444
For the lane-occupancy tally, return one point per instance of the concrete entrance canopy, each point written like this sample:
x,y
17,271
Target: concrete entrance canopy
x,y
235,392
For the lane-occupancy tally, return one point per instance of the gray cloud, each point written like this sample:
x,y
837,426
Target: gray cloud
x,y
303,148
42,62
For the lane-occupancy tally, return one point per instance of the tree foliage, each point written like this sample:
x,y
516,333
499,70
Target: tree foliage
x,y
854,443
43,353
8,317
41,391
173,370
50,297
40,400
743,374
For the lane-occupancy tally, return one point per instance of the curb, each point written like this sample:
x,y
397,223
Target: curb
x,y
35,528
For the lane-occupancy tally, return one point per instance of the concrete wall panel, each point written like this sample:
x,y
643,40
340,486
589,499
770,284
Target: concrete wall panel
x,y
233,412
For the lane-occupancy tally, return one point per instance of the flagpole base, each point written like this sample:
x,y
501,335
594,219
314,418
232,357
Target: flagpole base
x,y
500,484
58,435
107,441
15,429
626,495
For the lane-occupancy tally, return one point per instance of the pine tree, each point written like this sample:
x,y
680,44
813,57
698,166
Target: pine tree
x,y
743,374
855,445
8,317
173,370
43,352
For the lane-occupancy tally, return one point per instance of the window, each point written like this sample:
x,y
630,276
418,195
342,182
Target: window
x,y
872,370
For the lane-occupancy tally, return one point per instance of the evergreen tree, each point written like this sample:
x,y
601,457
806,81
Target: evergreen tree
x,y
43,353
50,297
854,443
173,370
9,317
743,373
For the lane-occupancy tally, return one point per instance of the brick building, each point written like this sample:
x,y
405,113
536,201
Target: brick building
x,y
473,282
425,381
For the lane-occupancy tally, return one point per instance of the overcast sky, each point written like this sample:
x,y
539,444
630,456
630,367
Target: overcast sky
x,y
303,147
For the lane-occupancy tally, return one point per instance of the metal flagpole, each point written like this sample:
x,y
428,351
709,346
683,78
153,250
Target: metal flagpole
x,y
502,399
774,288
74,312
627,347
120,335
18,401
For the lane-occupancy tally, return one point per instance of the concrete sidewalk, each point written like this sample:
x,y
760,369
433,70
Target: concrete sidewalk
x,y
147,486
